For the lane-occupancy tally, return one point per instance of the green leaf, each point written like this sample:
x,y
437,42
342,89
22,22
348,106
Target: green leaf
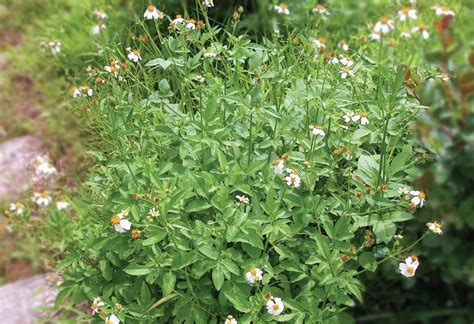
x,y
367,260
384,230
145,295
210,251
134,269
155,234
251,237
368,168
217,278
105,269
255,166
398,216
231,266
400,162
168,283
164,64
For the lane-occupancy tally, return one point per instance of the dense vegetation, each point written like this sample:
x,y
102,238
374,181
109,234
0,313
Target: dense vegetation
x,y
263,162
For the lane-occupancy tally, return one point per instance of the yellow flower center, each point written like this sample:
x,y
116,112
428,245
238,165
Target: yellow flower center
x,y
283,6
276,162
115,220
405,10
362,114
410,270
422,195
322,40
384,20
253,271
136,52
44,194
444,8
151,8
275,307
94,307
422,27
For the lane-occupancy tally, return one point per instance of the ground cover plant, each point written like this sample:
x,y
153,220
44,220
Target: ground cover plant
x,y
248,175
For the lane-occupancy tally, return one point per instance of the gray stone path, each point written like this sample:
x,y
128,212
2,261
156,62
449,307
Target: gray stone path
x,y
19,300
16,156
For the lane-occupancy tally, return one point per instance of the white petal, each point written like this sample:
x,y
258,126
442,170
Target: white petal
x,y
125,224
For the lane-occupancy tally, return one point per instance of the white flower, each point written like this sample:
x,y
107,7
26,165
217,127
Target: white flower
x,y
405,33
350,117
419,198
321,10
152,13
422,29
75,91
435,227
333,60
443,76
346,61
345,72
374,36
409,267
282,9
255,274
42,198
120,223
320,43
275,306
100,14
97,28
443,11
177,20
17,208
343,45
208,3
362,116
112,319
407,12
96,304
191,24
55,47
293,179
134,56
384,25
398,237
210,54
199,78
43,167
86,91
61,205
278,165
403,191
317,130
153,213
230,320
113,68
242,200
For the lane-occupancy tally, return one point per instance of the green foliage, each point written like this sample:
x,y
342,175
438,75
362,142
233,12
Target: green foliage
x,y
186,132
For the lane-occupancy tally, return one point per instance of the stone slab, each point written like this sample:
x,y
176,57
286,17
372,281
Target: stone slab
x,y
19,300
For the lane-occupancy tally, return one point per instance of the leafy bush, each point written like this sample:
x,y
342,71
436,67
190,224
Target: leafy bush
x,y
237,172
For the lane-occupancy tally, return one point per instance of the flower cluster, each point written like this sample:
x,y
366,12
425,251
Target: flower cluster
x,y
53,46
100,17
405,15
